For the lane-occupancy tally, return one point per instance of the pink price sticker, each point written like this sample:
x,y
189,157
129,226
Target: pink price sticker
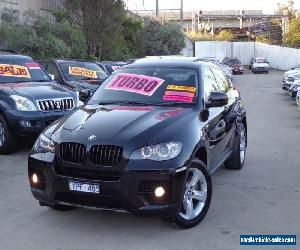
x,y
177,98
139,84
32,65
187,94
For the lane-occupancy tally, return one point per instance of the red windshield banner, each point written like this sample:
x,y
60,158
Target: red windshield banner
x,y
140,84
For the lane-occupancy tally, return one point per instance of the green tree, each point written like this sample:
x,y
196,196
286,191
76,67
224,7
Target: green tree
x,y
292,37
160,39
101,22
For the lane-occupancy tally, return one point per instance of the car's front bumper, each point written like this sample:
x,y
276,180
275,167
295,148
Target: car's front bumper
x,y
237,71
285,86
132,192
298,100
31,123
260,69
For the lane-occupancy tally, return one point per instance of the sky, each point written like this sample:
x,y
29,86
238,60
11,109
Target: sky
x,y
268,6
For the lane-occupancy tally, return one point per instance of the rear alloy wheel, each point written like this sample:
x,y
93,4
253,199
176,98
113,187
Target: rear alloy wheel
x,y
196,198
7,140
237,159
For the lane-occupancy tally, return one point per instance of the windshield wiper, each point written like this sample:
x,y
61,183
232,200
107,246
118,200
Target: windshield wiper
x,y
128,103
42,80
176,103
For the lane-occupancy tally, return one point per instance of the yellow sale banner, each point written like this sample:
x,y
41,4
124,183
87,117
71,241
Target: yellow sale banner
x,y
14,71
76,71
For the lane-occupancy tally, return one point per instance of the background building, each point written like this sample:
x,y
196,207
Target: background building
x,y
42,7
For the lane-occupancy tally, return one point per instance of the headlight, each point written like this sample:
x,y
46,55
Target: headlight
x,y
241,68
159,152
23,103
44,144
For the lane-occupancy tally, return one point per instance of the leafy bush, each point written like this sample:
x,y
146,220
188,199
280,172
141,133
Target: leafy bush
x,y
263,39
225,35
68,38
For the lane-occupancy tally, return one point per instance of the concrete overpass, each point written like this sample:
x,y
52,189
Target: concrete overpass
x,y
217,19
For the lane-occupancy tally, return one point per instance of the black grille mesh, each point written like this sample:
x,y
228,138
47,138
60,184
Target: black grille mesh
x,y
100,155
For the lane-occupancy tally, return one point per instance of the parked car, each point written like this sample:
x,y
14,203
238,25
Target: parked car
x,y
234,64
291,73
77,75
290,81
251,63
111,66
29,99
297,67
147,141
260,64
298,98
225,68
294,90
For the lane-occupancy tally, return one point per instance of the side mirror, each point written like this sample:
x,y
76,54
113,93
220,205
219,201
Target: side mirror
x,y
217,99
84,95
52,77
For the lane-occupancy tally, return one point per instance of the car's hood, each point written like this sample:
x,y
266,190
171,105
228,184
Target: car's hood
x,y
291,72
235,65
36,90
260,65
87,84
116,125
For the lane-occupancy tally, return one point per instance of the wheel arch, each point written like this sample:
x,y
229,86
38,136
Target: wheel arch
x,y
201,153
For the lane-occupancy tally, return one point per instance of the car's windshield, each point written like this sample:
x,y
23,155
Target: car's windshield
x,y
233,61
77,71
260,60
149,85
21,70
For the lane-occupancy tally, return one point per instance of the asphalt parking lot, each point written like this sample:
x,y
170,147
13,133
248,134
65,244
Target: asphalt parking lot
x,y
263,198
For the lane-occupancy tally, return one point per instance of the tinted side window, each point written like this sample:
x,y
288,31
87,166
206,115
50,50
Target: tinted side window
x,y
51,69
223,85
210,84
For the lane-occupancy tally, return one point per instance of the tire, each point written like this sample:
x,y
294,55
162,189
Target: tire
x,y
8,141
58,207
237,158
198,204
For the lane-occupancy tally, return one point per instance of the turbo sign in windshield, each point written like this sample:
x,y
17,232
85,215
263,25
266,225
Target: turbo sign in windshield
x,y
149,86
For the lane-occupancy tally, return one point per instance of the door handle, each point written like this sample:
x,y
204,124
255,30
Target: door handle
x,y
221,125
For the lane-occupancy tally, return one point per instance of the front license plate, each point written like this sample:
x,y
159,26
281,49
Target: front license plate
x,y
84,187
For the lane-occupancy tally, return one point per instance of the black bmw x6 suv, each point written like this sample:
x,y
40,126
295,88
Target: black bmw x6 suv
x,y
147,141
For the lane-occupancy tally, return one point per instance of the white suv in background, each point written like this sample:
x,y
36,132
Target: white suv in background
x,y
260,64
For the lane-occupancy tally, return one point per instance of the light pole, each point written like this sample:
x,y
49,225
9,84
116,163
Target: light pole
x,y
157,8
181,14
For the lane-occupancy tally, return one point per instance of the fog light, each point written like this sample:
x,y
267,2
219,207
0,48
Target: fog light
x,y
159,192
35,178
26,124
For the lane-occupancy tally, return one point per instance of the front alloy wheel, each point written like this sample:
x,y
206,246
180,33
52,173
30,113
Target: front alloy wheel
x,y
196,198
7,139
